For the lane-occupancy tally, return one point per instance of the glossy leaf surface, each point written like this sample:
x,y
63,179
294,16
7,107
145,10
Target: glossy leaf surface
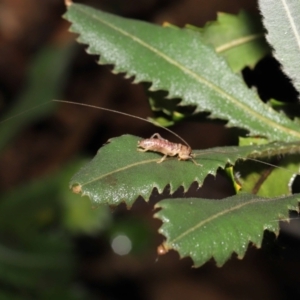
x,y
178,61
238,38
120,173
268,180
206,228
282,21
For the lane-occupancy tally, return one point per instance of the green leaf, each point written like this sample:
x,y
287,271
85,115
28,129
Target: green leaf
x,y
282,21
166,111
177,60
120,173
205,228
238,38
268,181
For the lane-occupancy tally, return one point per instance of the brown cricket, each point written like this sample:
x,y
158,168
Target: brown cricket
x,y
158,144
155,143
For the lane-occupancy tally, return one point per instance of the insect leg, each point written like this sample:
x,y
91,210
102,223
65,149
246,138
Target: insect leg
x,y
191,158
142,150
162,159
146,149
157,135
195,162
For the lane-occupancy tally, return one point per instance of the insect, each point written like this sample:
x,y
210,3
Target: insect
x,y
157,144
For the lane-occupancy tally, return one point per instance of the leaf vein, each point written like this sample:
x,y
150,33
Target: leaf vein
x,y
119,170
291,21
198,78
213,217
238,42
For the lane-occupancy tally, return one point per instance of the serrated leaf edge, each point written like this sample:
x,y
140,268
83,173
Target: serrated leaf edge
x,y
171,244
194,75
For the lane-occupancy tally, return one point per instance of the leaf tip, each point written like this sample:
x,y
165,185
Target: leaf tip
x,y
76,189
162,249
68,2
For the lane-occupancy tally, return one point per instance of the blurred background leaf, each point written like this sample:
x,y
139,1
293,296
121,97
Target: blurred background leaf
x,y
37,221
45,80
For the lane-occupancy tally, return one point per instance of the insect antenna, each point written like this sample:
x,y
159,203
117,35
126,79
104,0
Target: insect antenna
x,y
266,163
132,116
124,114
24,112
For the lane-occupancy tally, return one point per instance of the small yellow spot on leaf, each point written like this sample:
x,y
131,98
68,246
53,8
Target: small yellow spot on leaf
x,y
166,24
76,189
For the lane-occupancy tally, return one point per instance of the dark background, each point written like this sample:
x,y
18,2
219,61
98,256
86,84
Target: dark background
x,y
42,146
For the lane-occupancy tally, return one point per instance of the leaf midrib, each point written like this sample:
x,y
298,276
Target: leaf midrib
x,y
237,42
291,21
146,162
215,216
195,76
120,170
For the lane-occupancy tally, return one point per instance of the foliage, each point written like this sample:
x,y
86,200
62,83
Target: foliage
x,y
188,64
52,63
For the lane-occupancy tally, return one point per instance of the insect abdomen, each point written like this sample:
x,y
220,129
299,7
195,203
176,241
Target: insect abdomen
x,y
160,145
